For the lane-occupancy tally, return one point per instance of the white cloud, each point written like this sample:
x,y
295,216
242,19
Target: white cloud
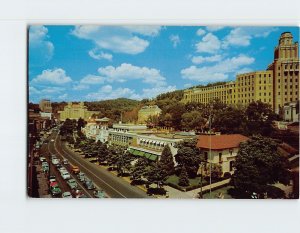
x,y
33,90
153,92
209,44
147,30
92,79
214,28
200,32
63,97
41,49
187,85
107,92
52,90
175,40
56,76
201,59
106,88
117,39
217,72
80,87
126,72
242,36
98,55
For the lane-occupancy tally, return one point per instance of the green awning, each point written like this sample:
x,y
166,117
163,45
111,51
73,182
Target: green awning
x,y
143,154
153,157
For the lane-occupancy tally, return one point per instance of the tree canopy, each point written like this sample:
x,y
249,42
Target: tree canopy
x,y
258,164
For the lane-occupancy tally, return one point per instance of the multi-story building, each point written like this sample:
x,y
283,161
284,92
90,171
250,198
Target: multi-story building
x,y
147,111
143,142
45,106
276,86
75,111
221,149
285,68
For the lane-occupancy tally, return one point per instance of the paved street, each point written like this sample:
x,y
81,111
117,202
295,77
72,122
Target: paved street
x,y
114,186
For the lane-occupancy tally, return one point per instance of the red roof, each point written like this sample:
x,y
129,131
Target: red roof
x,y
220,142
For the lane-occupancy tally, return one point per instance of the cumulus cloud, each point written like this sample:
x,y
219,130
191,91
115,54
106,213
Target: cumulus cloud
x,y
56,76
107,92
63,97
98,55
124,39
201,59
126,72
219,71
242,36
200,32
175,40
214,28
92,79
153,92
209,44
41,49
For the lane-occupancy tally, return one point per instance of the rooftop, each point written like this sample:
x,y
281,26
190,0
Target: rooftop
x,y
219,142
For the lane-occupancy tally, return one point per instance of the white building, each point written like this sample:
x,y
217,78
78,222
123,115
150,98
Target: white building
x,y
224,149
290,112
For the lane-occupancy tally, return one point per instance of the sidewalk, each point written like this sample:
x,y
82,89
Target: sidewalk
x,y
193,193
42,182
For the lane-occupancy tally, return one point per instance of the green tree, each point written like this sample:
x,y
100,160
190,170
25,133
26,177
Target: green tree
x,y
216,171
166,160
230,120
183,178
80,124
193,121
258,164
188,155
156,174
139,169
260,117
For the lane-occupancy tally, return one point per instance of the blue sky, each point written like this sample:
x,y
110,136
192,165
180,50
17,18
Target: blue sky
x,y
87,63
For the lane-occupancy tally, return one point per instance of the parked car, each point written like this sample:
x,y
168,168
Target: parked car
x,y
52,140
53,156
76,192
52,179
89,184
66,195
55,161
72,183
75,169
42,159
81,176
99,194
65,175
65,162
54,188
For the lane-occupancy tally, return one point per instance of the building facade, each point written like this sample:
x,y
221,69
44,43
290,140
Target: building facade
x,y
276,86
75,111
285,68
291,112
224,149
147,111
45,106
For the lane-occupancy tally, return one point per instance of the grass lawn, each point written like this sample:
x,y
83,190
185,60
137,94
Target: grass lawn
x,y
175,179
215,193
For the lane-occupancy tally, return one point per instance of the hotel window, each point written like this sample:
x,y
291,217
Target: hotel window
x,y
264,75
291,99
269,93
264,88
291,93
278,74
265,94
278,80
